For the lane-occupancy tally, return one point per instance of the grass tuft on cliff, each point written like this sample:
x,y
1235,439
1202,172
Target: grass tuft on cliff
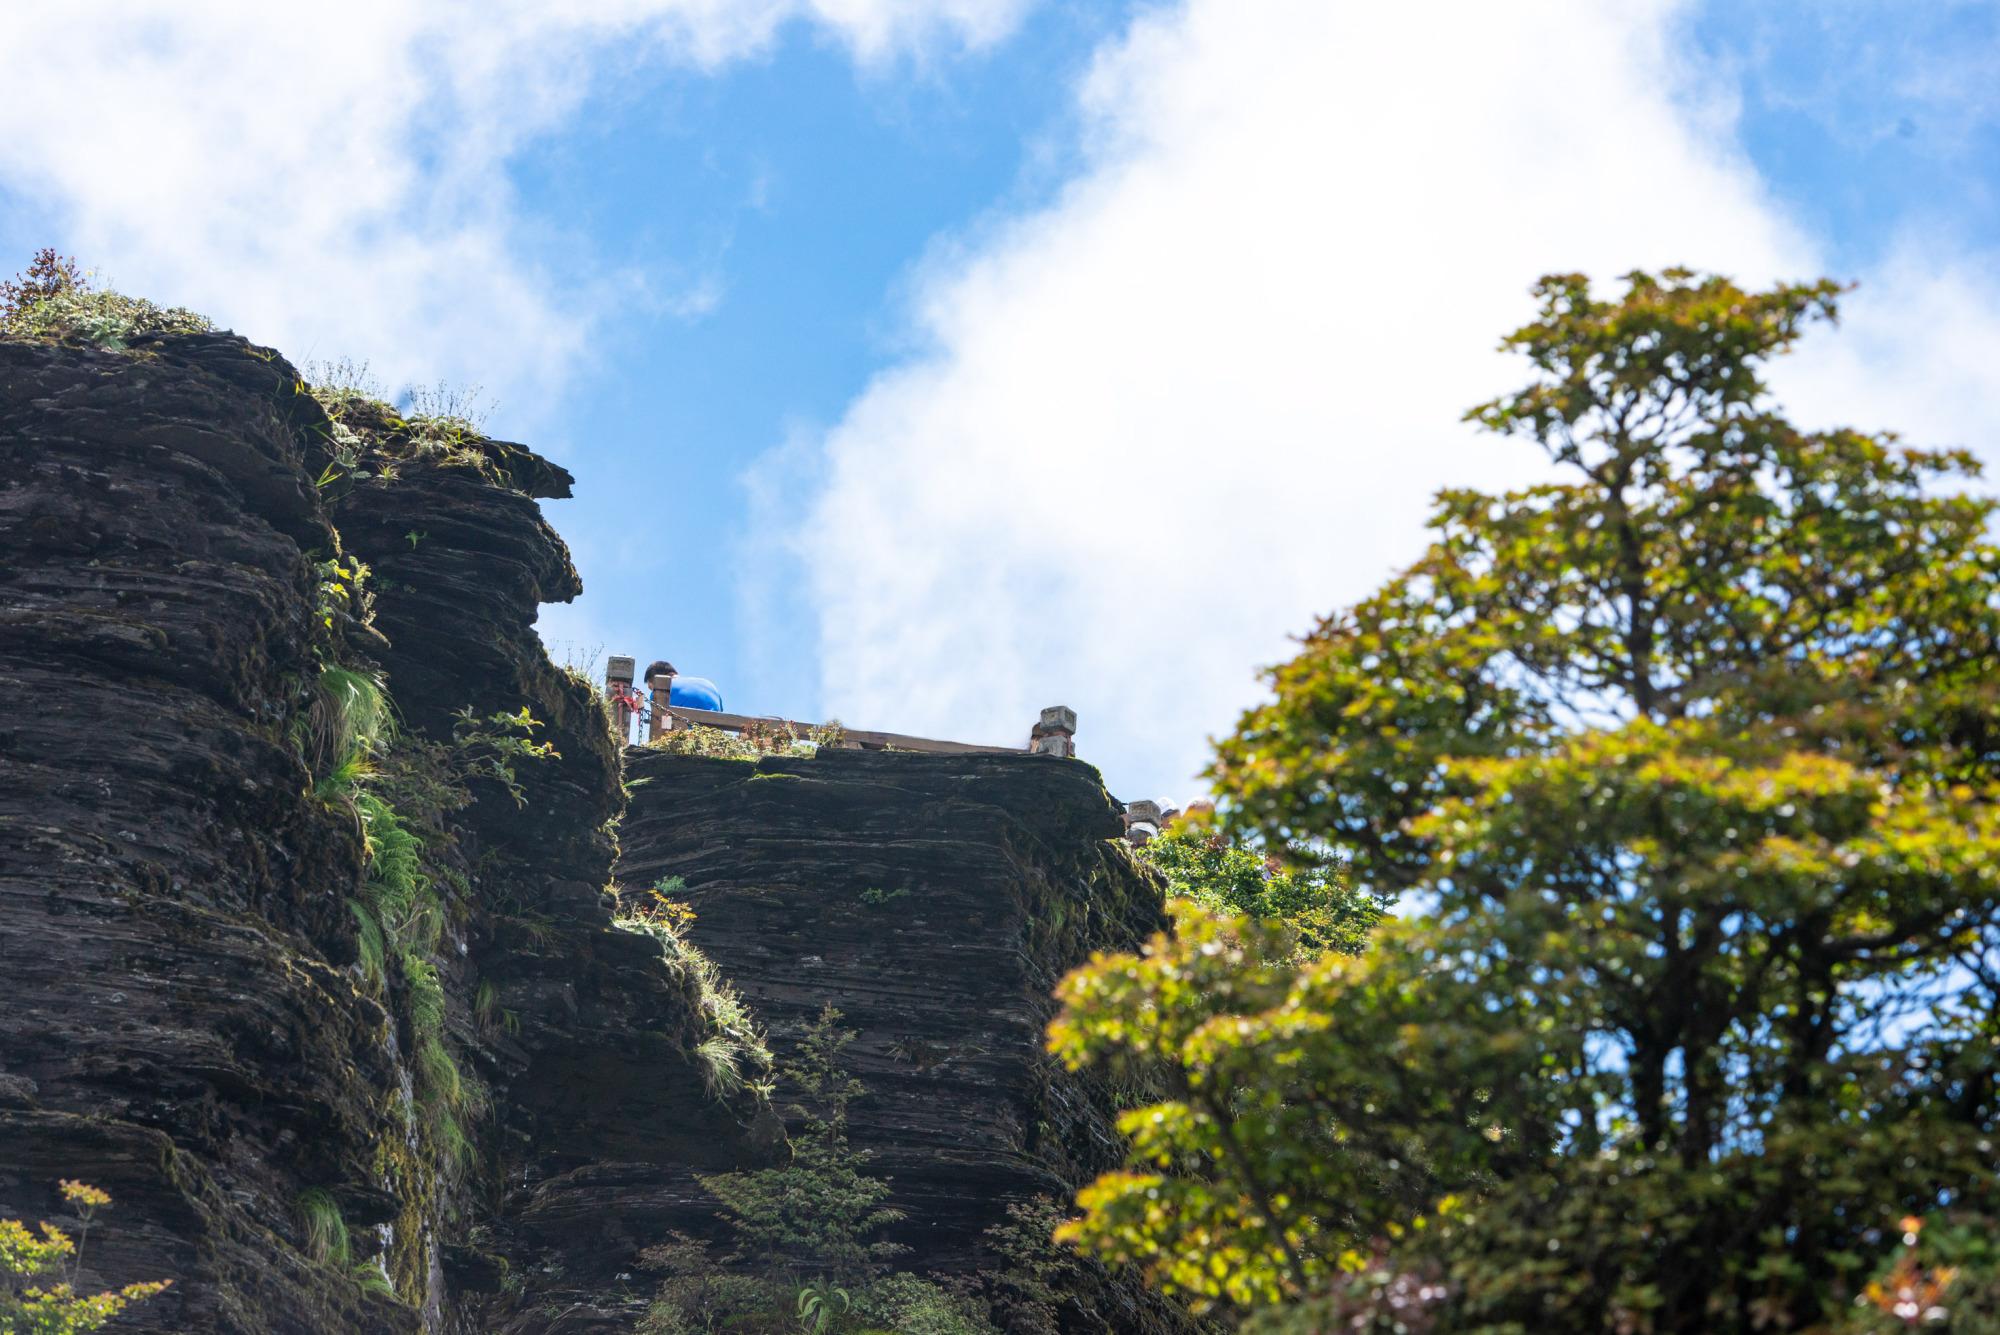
x,y
371,437
56,301
326,1234
734,1054
349,722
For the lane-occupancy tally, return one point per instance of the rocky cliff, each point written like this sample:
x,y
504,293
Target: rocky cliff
x,y
334,1007
935,900
177,1024
186,1021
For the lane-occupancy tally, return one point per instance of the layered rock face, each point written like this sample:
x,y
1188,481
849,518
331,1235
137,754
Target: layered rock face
x,y
599,1115
176,1024
936,900
212,1006
183,1021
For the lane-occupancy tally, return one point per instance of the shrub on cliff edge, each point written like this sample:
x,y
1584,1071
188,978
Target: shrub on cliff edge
x,y
55,300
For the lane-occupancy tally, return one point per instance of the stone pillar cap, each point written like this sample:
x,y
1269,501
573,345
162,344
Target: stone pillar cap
x,y
618,668
1056,718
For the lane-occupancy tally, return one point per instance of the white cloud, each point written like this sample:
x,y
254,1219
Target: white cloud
x,y
1207,393
1916,353
330,179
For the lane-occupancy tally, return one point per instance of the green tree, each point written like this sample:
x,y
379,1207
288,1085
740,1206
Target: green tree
x,y
816,1215
806,1254
1311,897
1689,755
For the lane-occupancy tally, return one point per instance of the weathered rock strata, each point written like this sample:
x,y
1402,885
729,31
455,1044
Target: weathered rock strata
x,y
182,1022
593,1091
176,1024
186,1018
936,900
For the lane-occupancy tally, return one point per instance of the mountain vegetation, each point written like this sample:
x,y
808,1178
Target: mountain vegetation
x,y
1682,768
1315,899
1599,929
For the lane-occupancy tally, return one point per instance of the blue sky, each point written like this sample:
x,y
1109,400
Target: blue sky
x,y
794,193
926,363
1866,118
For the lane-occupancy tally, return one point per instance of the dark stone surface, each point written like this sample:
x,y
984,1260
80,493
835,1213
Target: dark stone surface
x,y
936,900
174,1024
181,1019
599,1115
179,1023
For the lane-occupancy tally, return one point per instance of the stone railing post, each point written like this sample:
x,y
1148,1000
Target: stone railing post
x,y
660,688
1055,733
1142,822
618,686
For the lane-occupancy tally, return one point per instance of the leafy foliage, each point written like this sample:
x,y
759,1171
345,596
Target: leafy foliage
x,y
700,1292
493,746
1312,898
1231,1176
57,1308
1029,1292
350,741
1946,1274
400,919
820,1305
47,276
910,1305
1690,756
343,592
56,300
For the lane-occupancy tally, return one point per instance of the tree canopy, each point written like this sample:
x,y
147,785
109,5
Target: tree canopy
x,y
1313,898
1684,762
